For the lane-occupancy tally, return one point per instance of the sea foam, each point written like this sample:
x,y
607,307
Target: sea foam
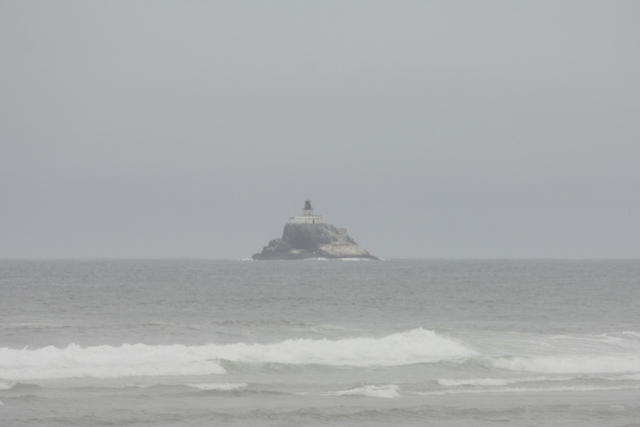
x,y
414,346
506,381
569,364
218,386
106,362
6,385
484,381
404,348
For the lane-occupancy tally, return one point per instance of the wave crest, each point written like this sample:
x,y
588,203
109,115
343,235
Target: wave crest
x,y
414,346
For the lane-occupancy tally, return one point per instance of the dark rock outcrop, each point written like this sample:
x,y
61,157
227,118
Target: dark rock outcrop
x,y
300,241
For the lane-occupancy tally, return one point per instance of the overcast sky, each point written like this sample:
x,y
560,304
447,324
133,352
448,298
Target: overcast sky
x,y
450,129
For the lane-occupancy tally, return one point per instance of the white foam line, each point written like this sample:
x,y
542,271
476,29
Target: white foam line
x,y
494,381
218,386
386,392
524,390
506,381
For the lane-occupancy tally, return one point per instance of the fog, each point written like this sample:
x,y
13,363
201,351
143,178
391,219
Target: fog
x,y
456,129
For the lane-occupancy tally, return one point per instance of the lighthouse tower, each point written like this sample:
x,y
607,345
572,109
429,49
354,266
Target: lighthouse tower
x,y
308,210
308,217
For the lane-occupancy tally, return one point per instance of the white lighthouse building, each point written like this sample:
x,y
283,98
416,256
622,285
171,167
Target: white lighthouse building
x,y
308,217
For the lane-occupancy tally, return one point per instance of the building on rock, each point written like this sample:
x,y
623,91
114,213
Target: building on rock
x,y
306,236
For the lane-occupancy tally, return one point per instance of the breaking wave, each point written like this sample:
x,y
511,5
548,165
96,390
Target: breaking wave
x,y
105,362
414,346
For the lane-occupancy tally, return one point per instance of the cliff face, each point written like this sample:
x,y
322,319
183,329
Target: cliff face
x,y
300,241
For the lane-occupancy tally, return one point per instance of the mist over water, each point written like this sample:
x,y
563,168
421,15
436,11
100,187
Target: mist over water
x,y
188,342
457,129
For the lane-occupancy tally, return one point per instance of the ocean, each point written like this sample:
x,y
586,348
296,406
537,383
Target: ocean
x,y
319,343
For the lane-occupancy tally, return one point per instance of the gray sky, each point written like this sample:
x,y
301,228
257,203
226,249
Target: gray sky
x,y
449,129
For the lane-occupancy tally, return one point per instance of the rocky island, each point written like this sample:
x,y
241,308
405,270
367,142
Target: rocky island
x,y
306,236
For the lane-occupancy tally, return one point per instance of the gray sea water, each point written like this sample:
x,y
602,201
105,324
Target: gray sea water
x,y
319,343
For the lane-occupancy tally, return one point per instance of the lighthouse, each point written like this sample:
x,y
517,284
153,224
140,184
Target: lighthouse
x,y
306,236
308,217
